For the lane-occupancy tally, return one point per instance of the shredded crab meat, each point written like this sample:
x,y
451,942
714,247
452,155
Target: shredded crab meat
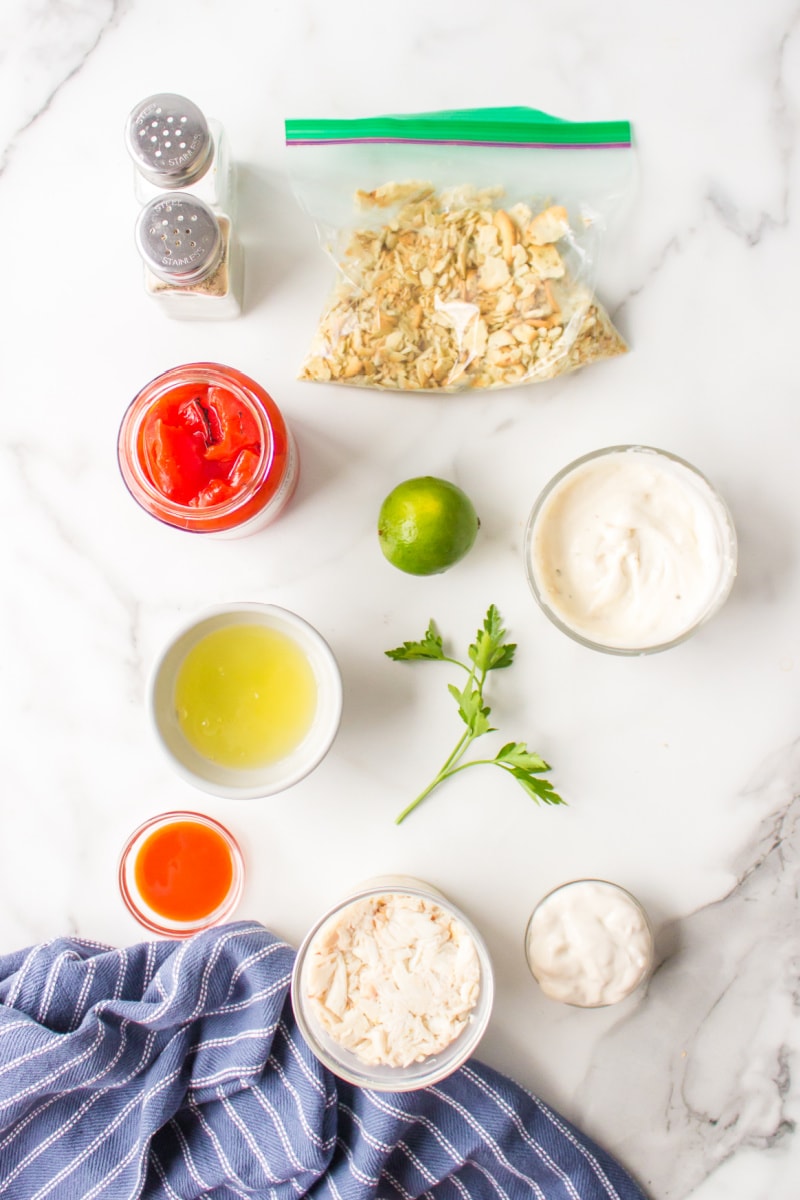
x,y
393,978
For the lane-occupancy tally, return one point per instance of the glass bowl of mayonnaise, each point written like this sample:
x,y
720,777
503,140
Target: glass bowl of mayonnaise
x,y
589,943
629,550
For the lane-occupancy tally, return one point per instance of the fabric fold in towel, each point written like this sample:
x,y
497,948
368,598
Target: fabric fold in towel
x,y
175,1069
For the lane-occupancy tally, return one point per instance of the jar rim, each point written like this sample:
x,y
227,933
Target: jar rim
x,y
140,485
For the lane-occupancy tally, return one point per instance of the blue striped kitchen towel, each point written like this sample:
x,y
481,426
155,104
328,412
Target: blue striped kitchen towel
x,y
175,1069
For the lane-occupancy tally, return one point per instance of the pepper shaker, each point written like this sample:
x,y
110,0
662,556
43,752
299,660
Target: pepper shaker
x,y
174,147
193,265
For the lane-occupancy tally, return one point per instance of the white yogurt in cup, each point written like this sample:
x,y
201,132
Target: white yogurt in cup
x,y
589,943
630,549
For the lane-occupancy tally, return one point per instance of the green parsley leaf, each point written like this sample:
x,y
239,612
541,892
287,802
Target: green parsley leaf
x,y
473,712
489,652
430,647
517,754
537,789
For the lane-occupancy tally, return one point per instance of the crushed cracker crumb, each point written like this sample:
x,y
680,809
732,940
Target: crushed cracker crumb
x,y
456,292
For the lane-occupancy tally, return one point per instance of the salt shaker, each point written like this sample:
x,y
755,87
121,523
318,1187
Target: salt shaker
x,y
193,265
174,147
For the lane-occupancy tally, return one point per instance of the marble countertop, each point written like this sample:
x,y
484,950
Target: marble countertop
x,y
681,770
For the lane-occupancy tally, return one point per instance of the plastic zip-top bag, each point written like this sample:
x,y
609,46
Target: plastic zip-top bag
x,y
466,244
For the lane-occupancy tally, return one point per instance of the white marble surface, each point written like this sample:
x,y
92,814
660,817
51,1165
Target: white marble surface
x,y
681,770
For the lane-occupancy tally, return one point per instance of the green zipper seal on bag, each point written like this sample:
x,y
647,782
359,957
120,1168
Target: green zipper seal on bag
x,y
509,127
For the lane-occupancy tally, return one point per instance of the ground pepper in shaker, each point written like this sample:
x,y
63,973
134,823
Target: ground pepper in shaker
x,y
193,263
174,148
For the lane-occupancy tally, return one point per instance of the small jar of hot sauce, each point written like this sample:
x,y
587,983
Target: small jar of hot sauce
x,y
181,872
206,449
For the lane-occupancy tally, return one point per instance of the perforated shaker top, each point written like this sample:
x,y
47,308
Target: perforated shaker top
x,y
169,140
179,239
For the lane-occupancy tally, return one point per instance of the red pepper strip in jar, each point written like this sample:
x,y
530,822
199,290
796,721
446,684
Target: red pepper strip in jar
x,y
200,445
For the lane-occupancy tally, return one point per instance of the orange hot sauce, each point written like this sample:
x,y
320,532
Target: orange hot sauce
x,y
184,870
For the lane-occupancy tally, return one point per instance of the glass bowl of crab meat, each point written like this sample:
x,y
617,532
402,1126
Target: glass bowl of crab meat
x,y
392,988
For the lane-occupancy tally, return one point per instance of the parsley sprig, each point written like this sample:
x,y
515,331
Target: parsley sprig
x,y
489,652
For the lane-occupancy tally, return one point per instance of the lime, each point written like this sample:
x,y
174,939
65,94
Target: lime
x,y
425,525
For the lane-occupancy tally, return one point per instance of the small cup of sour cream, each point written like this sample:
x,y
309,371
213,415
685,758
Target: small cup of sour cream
x,y
629,550
589,943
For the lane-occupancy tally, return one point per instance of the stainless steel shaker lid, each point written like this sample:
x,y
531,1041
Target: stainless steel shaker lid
x,y
169,140
179,238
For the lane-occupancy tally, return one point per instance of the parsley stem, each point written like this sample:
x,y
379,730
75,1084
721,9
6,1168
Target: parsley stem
x,y
461,746
448,768
445,770
457,663
410,807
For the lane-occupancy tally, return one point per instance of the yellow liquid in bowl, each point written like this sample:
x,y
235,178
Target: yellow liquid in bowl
x,y
245,696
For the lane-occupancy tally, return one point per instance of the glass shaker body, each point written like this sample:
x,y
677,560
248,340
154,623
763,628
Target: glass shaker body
x,y
175,148
193,263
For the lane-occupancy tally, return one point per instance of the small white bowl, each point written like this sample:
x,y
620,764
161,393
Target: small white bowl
x,y
247,782
380,1078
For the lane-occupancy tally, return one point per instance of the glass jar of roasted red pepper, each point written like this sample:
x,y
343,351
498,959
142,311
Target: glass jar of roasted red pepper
x,y
205,448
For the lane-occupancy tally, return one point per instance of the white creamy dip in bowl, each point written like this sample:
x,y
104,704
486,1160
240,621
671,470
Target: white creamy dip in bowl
x,y
392,988
589,943
629,550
